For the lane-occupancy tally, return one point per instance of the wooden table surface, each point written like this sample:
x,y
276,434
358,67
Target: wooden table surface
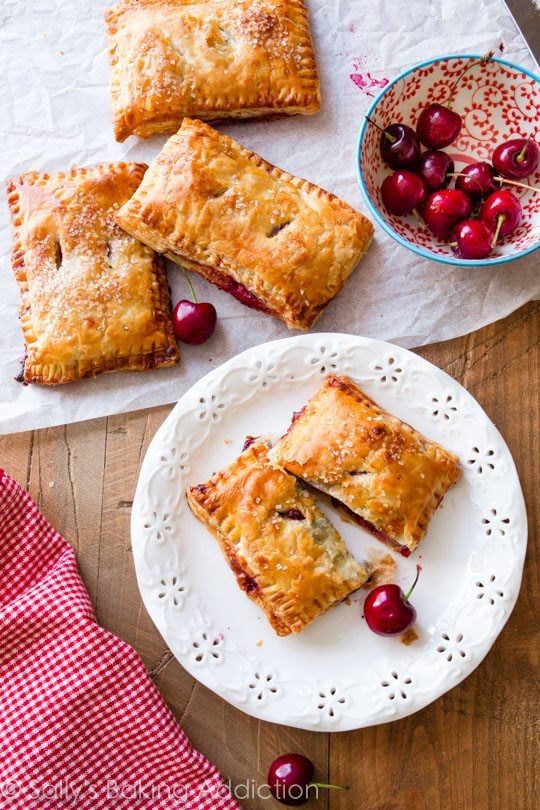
x,y
474,749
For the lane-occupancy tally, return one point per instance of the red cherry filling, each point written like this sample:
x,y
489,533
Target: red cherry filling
x,y
370,527
242,294
292,514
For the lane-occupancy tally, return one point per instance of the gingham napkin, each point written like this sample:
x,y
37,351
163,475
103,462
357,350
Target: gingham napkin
x,y
81,723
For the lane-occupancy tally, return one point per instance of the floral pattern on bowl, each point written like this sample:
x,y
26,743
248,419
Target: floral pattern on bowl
x,y
497,101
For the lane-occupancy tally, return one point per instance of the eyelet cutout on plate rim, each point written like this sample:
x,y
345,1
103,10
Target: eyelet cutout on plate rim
x,y
443,408
330,701
263,685
451,647
325,359
388,371
495,525
481,461
488,590
159,526
172,590
396,686
211,408
207,648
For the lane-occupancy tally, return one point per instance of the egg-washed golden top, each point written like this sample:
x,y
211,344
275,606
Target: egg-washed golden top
x,y
209,201
382,469
285,553
208,59
93,298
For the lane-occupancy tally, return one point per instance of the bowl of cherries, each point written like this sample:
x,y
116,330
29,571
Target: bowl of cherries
x,y
449,162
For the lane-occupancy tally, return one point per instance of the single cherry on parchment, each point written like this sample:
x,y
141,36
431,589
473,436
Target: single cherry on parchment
x,y
290,780
193,321
387,609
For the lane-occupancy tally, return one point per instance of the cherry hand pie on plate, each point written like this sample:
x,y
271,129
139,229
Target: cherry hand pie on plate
x,y
286,555
388,476
208,59
274,241
93,299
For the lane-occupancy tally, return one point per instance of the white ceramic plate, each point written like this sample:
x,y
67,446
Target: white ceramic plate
x,y
336,674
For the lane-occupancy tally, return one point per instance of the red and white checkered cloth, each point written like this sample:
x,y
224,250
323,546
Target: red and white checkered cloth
x,y
81,723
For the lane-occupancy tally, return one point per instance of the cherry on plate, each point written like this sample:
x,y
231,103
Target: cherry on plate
x,y
193,322
502,212
477,180
472,239
290,780
444,209
516,158
438,126
402,192
387,609
435,168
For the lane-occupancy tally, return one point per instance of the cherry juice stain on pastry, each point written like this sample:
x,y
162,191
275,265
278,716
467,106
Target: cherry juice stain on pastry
x,y
365,81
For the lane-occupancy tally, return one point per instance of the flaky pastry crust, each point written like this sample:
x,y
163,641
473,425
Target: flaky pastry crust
x,y
285,554
93,298
209,59
389,476
275,241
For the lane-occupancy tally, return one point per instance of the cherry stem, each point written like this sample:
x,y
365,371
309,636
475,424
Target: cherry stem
x,y
328,787
417,216
384,132
500,220
413,586
521,157
190,285
515,183
470,64
453,244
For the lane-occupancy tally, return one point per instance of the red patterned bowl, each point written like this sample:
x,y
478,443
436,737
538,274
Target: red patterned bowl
x,y
497,101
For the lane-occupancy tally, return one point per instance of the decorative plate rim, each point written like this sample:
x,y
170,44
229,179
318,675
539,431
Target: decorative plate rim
x,y
203,668
420,251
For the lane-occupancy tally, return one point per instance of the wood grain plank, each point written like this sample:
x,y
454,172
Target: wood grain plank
x,y
477,747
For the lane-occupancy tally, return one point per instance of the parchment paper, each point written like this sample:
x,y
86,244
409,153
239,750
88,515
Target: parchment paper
x,y
55,113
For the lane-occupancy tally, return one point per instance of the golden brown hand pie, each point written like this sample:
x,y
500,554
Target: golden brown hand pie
x,y
208,59
388,476
272,240
286,555
93,299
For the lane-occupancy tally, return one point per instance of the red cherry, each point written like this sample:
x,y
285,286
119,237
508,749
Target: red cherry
x,y
403,191
517,158
444,209
438,126
387,610
193,322
502,212
289,779
435,168
477,180
472,239
399,146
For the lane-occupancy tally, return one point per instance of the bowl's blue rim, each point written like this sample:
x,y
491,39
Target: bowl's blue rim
x,y
384,225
